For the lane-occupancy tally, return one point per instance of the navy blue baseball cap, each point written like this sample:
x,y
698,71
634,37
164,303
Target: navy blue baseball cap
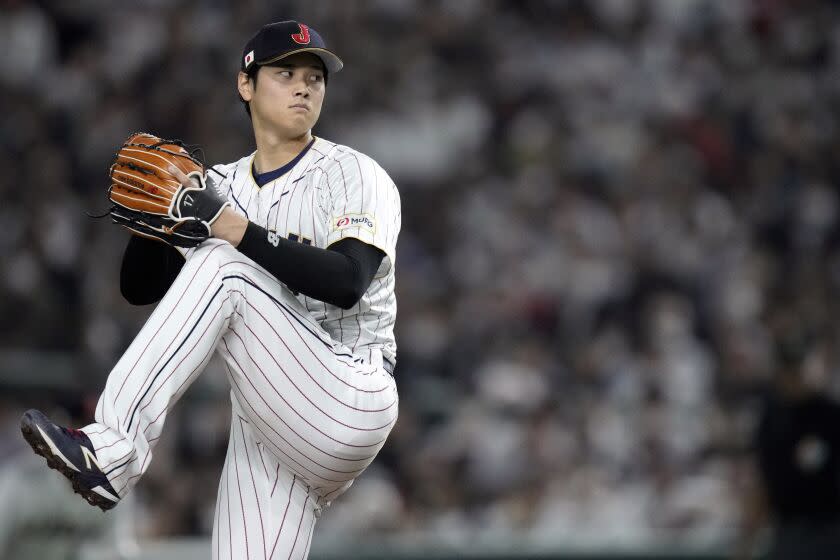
x,y
283,38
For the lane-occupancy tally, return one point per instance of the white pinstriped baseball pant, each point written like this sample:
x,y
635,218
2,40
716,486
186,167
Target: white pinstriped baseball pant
x,y
307,417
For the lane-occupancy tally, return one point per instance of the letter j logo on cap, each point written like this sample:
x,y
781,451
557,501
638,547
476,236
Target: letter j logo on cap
x,y
301,38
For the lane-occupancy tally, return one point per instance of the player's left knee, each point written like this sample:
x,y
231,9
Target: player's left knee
x,y
214,258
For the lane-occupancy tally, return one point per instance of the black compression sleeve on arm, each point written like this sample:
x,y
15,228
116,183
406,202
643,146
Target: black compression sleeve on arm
x,y
338,275
148,269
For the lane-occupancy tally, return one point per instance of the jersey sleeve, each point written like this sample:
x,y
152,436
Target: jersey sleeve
x,y
363,204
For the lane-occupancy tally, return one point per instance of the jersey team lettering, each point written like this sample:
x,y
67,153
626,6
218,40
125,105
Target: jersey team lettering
x,y
355,220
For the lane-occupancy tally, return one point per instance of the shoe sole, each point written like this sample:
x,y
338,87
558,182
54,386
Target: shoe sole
x,y
33,437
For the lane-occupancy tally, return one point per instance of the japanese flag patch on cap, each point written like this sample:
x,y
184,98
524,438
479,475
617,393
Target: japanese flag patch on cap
x,y
249,59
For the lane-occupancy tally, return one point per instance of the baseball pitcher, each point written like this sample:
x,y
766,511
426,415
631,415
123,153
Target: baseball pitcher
x,y
282,263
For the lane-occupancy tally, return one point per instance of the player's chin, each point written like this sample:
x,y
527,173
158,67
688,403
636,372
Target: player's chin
x,y
298,127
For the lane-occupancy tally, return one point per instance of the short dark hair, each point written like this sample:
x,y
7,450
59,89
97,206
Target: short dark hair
x,y
252,75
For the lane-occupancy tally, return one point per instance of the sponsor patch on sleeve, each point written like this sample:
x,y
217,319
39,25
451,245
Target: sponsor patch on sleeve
x,y
347,221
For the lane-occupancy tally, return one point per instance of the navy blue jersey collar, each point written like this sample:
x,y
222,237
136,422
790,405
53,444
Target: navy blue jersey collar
x,y
263,178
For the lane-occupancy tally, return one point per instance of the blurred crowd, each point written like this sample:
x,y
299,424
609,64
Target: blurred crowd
x,y
611,210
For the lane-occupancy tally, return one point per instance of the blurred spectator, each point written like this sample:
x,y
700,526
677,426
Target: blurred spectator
x,y
797,448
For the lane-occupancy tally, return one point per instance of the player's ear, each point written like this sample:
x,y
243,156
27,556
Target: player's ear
x,y
245,86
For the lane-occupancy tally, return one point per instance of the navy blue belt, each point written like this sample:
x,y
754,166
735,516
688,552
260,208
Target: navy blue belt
x,y
388,365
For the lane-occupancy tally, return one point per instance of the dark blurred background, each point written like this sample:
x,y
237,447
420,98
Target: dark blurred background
x,y
615,214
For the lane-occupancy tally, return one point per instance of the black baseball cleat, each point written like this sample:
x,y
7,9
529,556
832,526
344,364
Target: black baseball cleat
x,y
71,453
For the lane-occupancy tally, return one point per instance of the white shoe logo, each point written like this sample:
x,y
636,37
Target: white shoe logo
x,y
89,457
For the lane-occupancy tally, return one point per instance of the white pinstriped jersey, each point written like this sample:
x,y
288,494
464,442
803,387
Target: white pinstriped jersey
x,y
332,192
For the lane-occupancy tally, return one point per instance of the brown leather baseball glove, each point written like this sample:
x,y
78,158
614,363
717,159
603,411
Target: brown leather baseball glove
x,y
151,202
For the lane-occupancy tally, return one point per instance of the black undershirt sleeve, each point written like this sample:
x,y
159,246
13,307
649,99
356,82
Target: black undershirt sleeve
x,y
338,275
148,269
